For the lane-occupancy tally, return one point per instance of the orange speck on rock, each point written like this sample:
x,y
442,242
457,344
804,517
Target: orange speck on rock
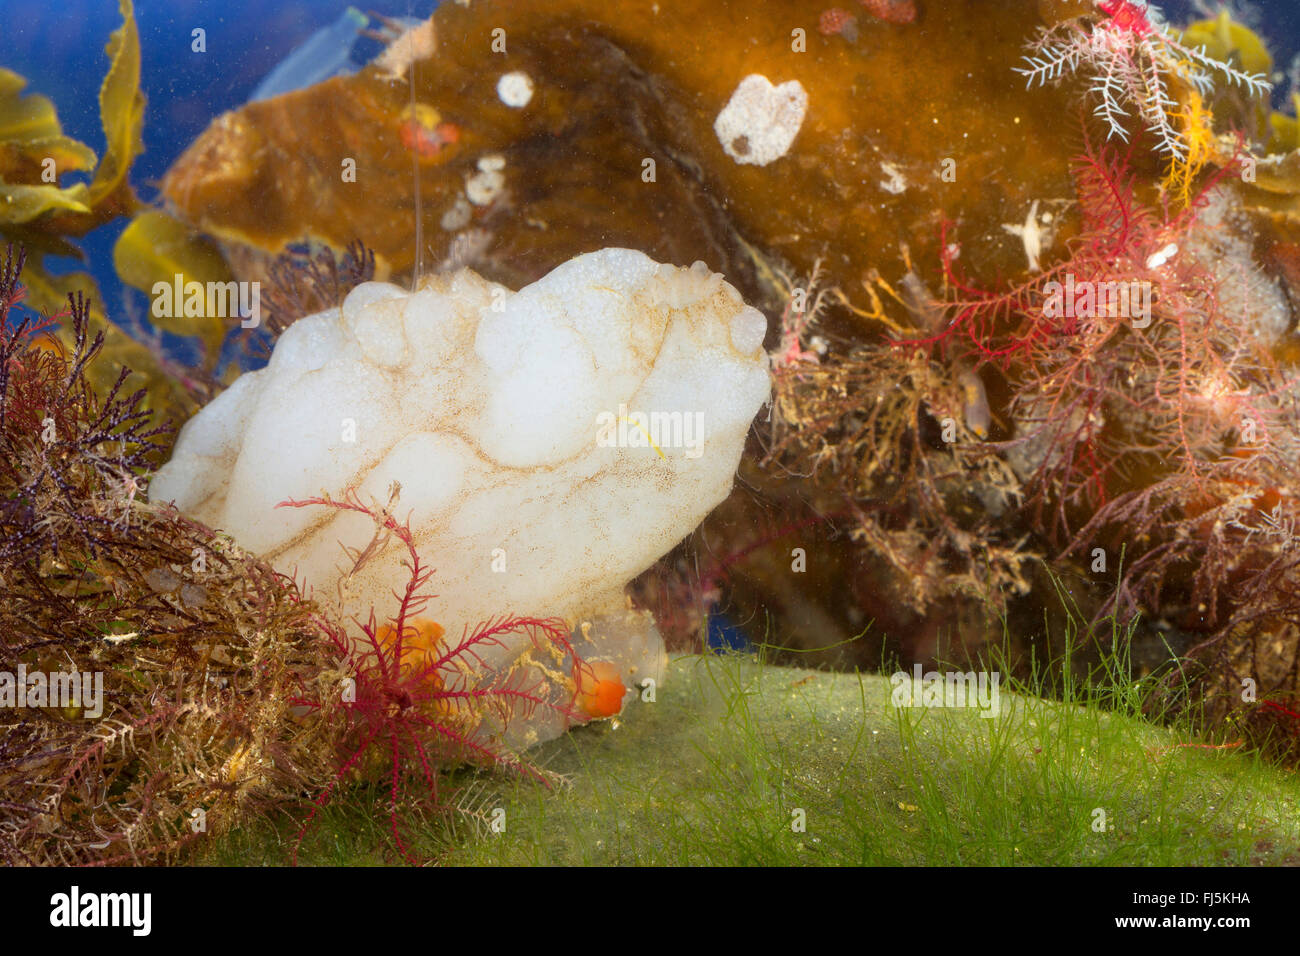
x,y
600,689
428,143
424,132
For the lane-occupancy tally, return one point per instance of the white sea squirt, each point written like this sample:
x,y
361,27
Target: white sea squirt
x,y
491,410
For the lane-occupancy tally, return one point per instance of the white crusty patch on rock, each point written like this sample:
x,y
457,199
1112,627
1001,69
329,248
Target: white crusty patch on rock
x,y
486,185
760,121
896,183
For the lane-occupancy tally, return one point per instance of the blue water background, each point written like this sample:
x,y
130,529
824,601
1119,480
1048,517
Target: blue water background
x,y
59,47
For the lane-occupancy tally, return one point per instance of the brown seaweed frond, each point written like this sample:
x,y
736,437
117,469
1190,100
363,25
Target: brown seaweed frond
x,y
199,650
897,431
60,441
186,651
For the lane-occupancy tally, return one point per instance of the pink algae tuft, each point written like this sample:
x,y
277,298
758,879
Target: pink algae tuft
x,y
891,11
838,21
1127,16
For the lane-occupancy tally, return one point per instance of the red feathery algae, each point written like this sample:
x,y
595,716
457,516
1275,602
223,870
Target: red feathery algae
x,y
418,704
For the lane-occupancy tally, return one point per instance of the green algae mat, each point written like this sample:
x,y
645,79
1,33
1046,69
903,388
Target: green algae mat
x,y
738,763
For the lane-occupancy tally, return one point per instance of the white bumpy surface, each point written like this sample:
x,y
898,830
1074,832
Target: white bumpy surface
x,y
483,405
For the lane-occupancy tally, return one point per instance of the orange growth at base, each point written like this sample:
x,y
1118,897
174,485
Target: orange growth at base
x,y
600,689
421,640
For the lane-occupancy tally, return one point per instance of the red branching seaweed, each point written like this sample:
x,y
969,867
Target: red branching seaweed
x,y
1120,356
1150,415
419,704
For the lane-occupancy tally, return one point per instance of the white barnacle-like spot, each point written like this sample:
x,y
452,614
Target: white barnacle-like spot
x,y
760,121
484,406
515,89
1162,256
482,187
457,215
1035,233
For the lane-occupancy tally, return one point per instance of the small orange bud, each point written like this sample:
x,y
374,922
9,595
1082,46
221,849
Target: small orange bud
x,y
600,689
419,645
